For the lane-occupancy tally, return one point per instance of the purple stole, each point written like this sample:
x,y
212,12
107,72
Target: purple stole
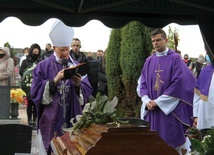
x,y
203,82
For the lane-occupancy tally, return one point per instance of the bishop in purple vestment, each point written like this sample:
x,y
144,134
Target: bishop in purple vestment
x,y
166,89
58,100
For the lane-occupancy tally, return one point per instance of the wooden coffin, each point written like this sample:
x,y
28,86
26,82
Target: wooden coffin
x,y
131,141
127,139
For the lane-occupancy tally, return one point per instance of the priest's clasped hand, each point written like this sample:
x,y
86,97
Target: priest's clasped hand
x,y
195,121
151,105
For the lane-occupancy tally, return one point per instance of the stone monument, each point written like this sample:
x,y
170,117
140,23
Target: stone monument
x,y
5,100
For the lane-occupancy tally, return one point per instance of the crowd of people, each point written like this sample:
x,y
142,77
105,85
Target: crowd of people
x,y
176,93
196,66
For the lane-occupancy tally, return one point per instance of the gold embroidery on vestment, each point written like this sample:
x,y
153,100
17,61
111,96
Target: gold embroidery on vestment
x,y
158,80
202,97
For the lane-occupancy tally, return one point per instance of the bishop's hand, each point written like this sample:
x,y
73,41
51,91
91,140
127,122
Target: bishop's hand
x,y
76,79
59,76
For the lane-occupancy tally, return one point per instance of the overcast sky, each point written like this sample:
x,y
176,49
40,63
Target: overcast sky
x,y
94,35
191,41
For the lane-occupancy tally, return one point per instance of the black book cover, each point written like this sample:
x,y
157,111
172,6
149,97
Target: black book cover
x,y
80,68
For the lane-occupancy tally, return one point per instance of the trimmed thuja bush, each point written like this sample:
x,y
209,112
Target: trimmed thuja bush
x,y
126,53
113,69
135,48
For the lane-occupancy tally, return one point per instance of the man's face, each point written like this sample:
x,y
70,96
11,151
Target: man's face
x,y
99,54
75,45
26,51
47,47
90,55
186,57
159,44
62,52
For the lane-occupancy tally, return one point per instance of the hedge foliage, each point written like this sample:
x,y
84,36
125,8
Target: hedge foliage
x,y
127,51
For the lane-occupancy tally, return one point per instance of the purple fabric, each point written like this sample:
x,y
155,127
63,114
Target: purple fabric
x,y
50,117
176,81
204,80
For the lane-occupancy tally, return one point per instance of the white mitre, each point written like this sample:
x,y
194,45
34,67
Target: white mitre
x,y
61,34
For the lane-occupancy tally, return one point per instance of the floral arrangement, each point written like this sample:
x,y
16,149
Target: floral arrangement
x,y
192,132
16,96
27,79
206,146
100,111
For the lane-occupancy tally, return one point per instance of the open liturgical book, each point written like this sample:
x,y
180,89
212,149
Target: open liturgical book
x,y
80,68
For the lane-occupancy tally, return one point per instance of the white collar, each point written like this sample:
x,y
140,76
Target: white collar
x,y
164,53
57,58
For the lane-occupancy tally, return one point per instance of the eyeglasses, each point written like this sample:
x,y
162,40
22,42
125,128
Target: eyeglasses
x,y
156,40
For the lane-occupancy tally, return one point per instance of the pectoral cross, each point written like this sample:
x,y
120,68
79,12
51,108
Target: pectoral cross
x,y
158,80
61,88
66,88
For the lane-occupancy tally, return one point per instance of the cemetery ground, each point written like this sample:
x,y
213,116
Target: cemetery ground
x,y
23,117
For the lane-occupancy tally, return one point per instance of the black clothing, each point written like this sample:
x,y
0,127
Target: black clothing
x,y
198,67
102,80
99,80
47,54
2,55
188,62
26,64
81,58
91,59
31,109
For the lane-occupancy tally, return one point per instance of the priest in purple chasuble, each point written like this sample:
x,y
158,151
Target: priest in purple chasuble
x,y
58,100
166,89
203,103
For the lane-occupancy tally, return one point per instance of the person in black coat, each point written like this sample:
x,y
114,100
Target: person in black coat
x,y
102,79
26,69
48,51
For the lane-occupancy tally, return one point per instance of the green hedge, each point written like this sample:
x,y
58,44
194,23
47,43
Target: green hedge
x,y
126,53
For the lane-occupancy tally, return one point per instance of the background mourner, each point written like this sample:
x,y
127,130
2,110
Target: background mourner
x,y
6,66
25,51
102,80
199,65
186,60
48,51
26,70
